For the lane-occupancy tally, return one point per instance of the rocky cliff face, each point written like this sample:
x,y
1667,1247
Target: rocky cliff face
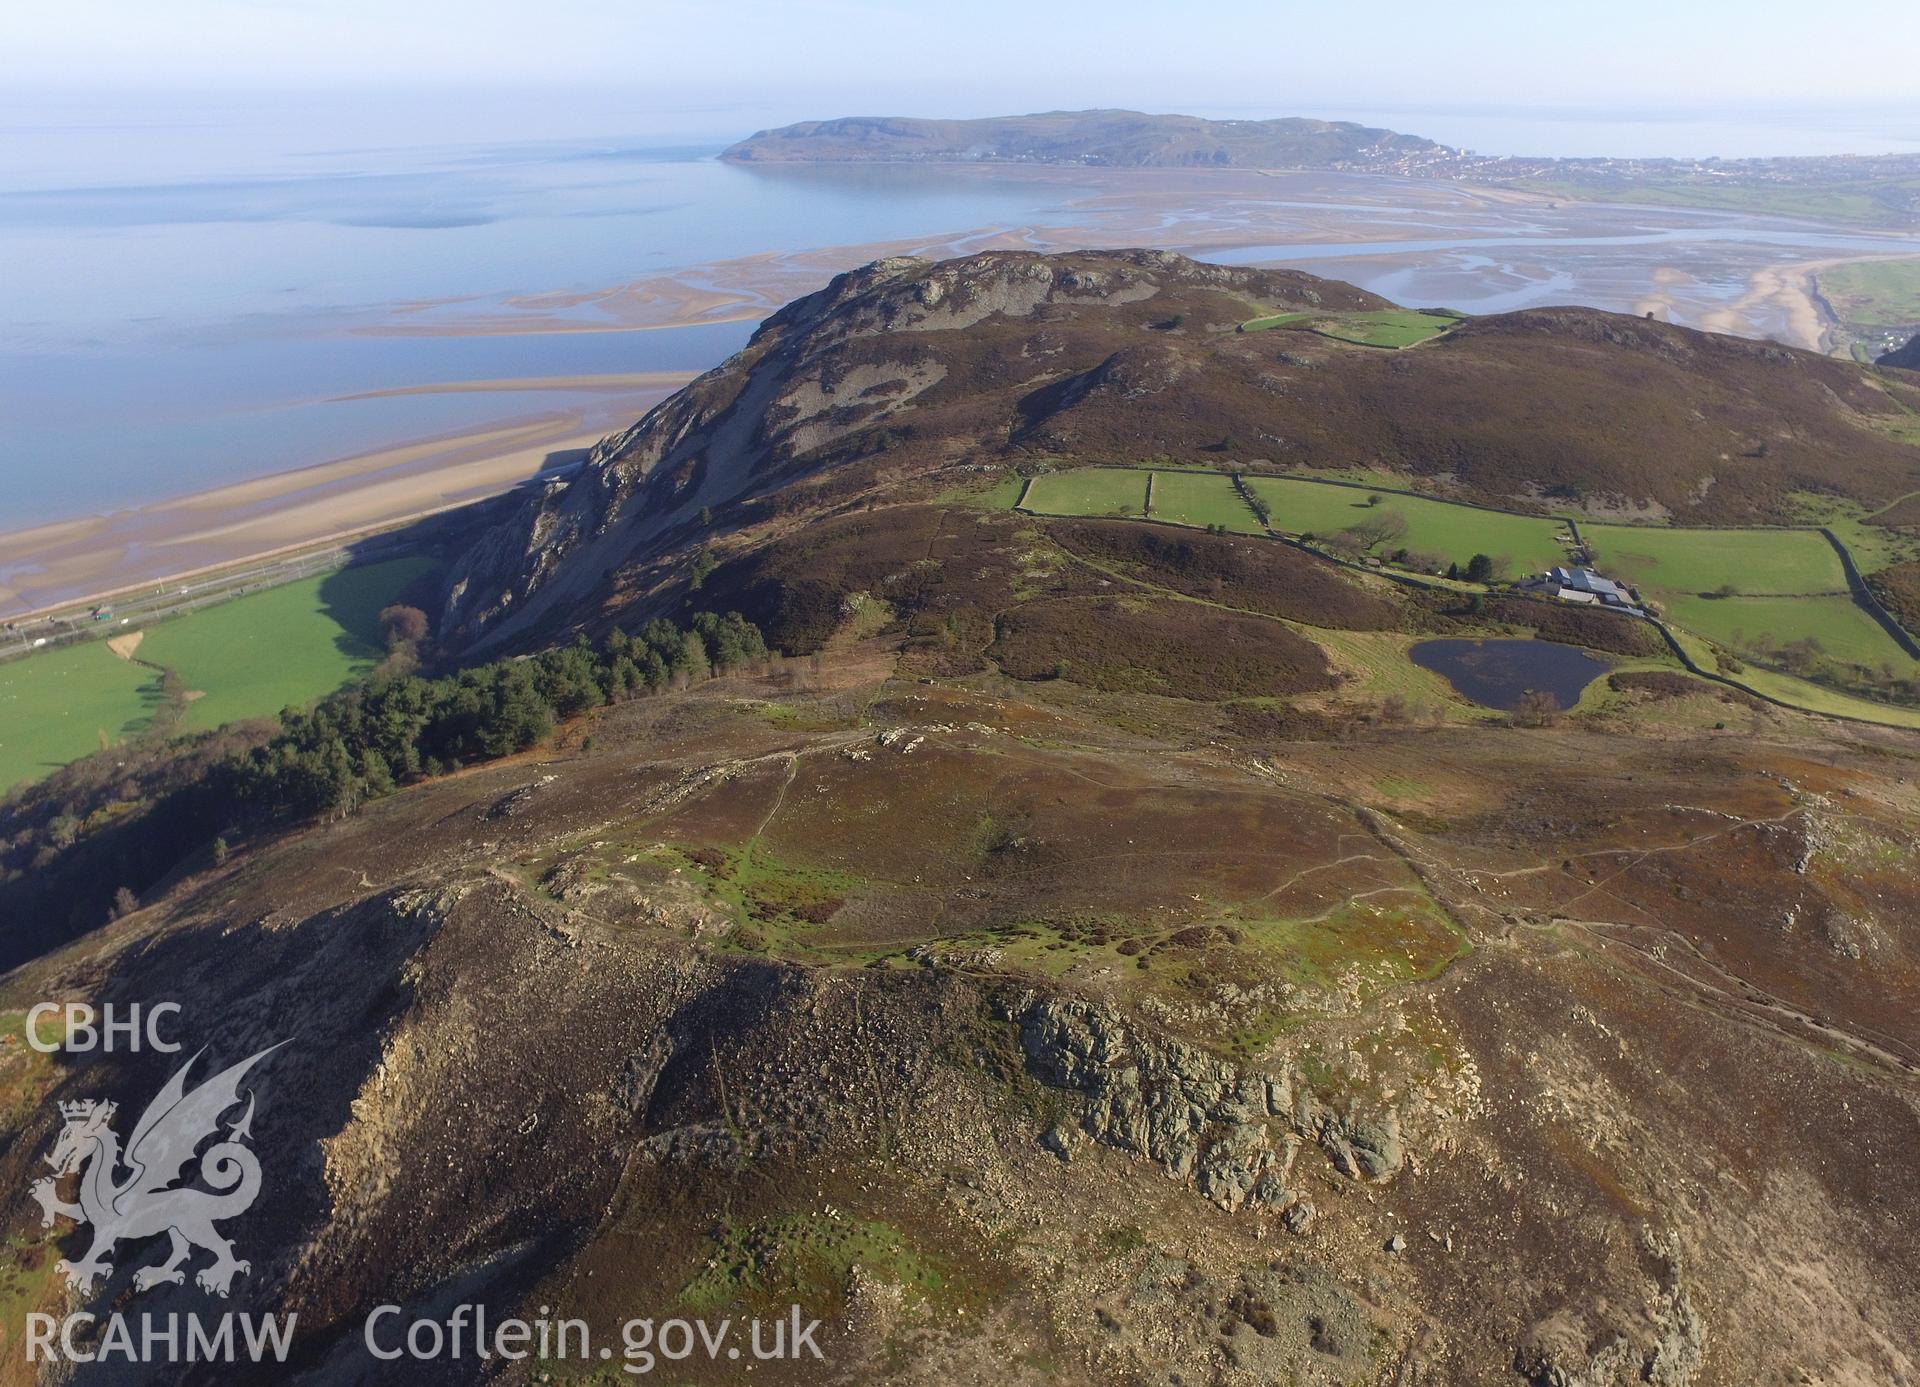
x,y
829,379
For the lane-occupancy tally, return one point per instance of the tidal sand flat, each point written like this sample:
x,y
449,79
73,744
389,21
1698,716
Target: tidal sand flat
x,y
73,560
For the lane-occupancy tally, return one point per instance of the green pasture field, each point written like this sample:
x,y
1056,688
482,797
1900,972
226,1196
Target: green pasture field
x,y
1456,533
257,654
246,658
1790,583
1391,327
1755,562
1089,491
1201,498
1873,547
55,707
1840,202
1275,320
1873,297
1748,623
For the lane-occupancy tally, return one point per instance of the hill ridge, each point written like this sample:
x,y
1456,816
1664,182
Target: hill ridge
x,y
901,371
1101,137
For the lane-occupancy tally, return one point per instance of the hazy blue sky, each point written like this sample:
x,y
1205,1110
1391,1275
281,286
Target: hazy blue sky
x,y
708,66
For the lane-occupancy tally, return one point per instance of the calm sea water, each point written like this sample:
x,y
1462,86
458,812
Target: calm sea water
x,y
179,291
166,327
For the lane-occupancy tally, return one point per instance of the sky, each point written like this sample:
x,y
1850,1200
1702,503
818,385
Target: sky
x,y
708,67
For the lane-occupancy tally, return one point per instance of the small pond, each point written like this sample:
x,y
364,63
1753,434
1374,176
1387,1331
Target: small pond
x,y
1496,673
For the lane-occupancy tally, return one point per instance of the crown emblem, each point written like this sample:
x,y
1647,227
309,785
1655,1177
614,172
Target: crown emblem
x,y
86,1107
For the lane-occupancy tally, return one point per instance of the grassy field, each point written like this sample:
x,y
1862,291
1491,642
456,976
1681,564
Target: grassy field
x,y
1201,498
57,707
1799,693
1875,298
1393,327
1089,491
1755,562
259,653
1789,584
1453,533
1838,202
246,658
1755,623
1376,664
1873,547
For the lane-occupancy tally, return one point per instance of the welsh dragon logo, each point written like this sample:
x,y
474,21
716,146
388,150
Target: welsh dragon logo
x,y
146,1200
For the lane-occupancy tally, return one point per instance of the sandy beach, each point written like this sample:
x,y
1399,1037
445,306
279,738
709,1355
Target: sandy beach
x,y
94,556
1787,293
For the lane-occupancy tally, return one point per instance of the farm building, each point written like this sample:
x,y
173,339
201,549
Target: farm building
x,y
1584,586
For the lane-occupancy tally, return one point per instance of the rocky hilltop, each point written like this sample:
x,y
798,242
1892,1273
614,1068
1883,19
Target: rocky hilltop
x,y
1179,1004
1116,139
906,372
1090,952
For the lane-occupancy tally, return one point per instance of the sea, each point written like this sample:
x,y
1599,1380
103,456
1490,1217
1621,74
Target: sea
x,y
185,294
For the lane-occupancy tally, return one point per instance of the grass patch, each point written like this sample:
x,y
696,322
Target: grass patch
x,y
1784,599
808,1260
1448,532
1090,491
246,658
774,903
28,1253
1821,202
58,706
1391,327
1274,320
1876,299
1795,693
1754,562
1363,947
1360,947
1755,625
1202,498
1873,547
1378,668
287,645
1001,495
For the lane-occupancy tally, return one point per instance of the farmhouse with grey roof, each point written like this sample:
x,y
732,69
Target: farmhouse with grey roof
x,y
1584,586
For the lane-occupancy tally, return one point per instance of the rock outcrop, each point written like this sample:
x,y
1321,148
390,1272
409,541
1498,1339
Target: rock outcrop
x,y
1232,1132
